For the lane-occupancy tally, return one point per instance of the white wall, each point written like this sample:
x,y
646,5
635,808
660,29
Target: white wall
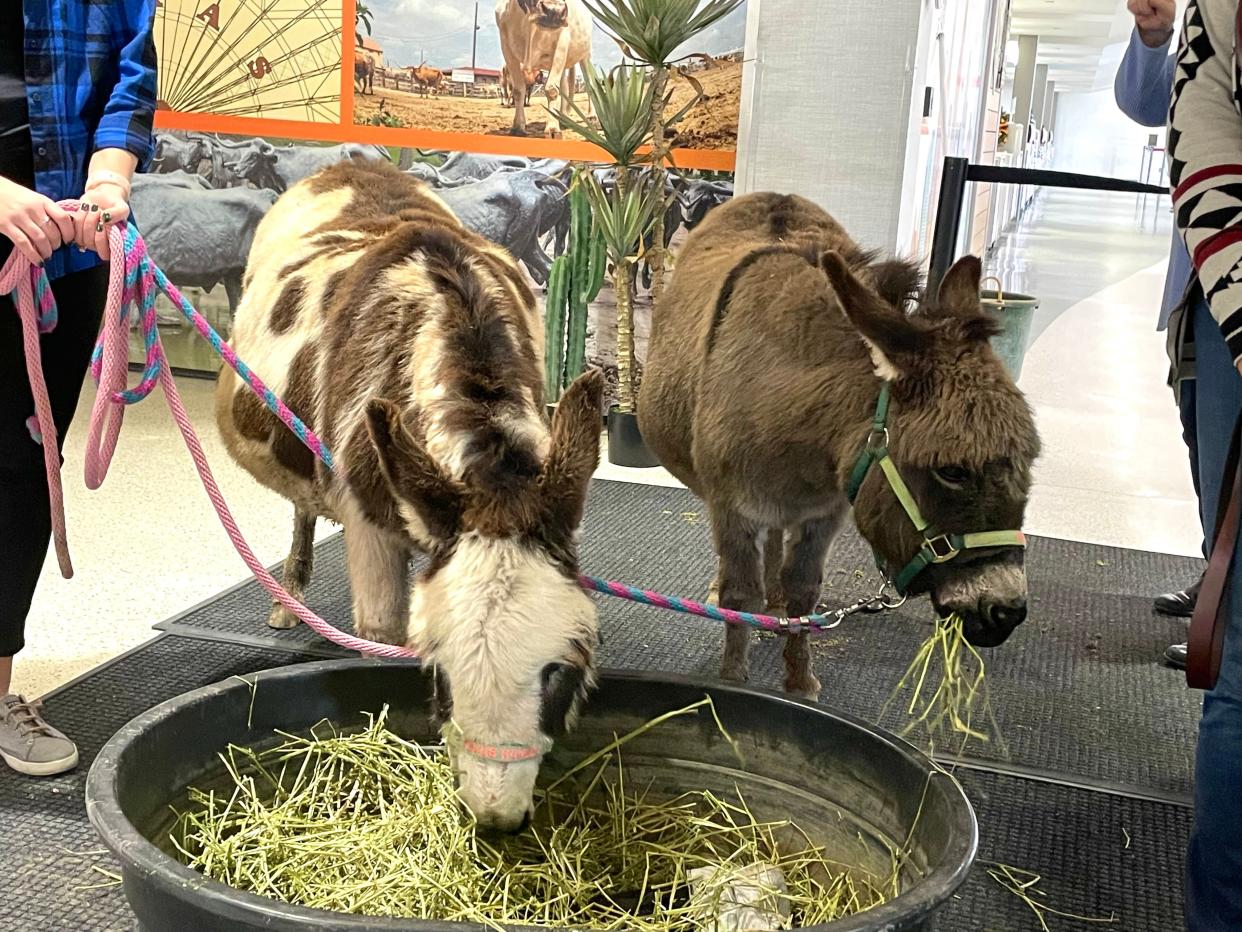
x,y
1094,137
826,102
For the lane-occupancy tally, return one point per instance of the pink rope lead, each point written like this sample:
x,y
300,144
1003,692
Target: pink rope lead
x,y
137,277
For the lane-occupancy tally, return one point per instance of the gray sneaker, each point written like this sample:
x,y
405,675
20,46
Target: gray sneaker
x,y
30,745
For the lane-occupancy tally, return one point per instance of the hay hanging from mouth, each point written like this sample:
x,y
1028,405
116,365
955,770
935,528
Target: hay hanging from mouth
x,y
368,823
947,689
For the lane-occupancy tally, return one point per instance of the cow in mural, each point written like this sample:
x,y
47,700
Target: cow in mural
x,y
364,75
413,347
475,167
534,78
769,351
198,235
515,210
279,168
176,152
544,35
427,79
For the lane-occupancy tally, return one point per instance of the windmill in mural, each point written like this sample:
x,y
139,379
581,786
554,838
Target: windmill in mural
x,y
279,59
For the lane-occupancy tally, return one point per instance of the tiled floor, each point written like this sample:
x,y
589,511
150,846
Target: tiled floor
x,y
148,545
1114,469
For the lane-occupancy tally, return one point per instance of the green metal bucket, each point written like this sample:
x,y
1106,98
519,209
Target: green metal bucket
x,y
1014,312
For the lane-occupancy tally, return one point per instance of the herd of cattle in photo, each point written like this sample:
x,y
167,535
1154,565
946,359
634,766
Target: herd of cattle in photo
x,y
200,205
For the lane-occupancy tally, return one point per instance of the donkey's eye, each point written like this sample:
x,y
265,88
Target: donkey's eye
x,y
953,476
560,690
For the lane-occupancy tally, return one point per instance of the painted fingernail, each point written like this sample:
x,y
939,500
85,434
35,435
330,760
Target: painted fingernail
x,y
94,208
107,217
99,228
85,206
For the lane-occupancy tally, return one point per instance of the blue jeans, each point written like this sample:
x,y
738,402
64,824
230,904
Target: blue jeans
x,y
1214,861
1188,409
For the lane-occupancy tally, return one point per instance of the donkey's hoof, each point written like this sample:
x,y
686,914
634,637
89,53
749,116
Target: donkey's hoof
x,y
808,689
281,618
734,673
382,634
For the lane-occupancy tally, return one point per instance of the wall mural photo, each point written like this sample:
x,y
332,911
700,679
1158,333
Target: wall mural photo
x,y
257,94
206,193
276,59
451,66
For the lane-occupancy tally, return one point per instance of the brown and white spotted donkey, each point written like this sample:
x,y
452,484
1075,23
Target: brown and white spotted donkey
x,y
413,347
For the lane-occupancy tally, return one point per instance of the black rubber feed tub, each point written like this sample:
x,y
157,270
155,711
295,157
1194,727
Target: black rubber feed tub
x,y
839,778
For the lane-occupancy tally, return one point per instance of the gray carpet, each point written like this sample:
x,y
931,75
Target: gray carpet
x,y
1077,691
50,855
1099,854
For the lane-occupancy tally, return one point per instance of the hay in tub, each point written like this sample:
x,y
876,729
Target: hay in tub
x,y
369,823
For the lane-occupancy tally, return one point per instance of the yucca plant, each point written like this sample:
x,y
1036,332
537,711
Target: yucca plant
x,y
623,215
362,18
651,32
621,100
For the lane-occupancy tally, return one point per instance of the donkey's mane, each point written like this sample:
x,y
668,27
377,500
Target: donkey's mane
x,y
898,281
481,357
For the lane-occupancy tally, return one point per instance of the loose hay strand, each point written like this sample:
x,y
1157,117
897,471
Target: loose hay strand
x,y
370,824
947,687
1022,884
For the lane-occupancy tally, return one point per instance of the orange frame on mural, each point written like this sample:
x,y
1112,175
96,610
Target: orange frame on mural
x,y
347,131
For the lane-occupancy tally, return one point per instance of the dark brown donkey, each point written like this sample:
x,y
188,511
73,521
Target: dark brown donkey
x,y
768,354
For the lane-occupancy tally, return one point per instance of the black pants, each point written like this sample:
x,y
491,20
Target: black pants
x,y
25,522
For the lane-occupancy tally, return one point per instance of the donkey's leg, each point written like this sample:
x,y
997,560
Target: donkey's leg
x,y
773,561
298,564
378,577
801,579
741,584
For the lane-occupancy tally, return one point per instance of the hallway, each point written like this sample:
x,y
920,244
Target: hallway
x,y
1114,468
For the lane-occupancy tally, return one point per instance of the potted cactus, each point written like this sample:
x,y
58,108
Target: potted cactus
x,y
573,283
630,105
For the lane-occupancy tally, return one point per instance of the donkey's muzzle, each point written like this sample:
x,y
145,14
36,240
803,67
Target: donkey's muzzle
x,y
992,626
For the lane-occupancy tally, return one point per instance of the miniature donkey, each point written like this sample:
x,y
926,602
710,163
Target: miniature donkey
x,y
413,347
768,354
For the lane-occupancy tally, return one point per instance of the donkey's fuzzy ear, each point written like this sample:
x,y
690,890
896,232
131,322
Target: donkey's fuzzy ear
x,y
415,479
958,300
574,454
959,289
893,339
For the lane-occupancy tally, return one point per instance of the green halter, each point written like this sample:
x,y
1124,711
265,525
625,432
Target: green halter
x,y
936,548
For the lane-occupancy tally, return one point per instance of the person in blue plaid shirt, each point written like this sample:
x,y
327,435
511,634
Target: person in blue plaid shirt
x,y
77,100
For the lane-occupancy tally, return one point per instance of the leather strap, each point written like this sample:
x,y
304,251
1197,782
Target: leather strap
x,y
1210,621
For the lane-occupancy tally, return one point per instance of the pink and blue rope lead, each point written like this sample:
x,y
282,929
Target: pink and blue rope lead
x,y
140,284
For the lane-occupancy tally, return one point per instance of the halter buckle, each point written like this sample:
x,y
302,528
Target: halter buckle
x,y
941,549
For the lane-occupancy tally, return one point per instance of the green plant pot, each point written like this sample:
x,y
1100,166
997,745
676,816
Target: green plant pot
x,y
1015,312
625,442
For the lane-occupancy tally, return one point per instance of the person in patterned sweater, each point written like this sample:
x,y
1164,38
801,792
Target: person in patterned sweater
x,y
1205,152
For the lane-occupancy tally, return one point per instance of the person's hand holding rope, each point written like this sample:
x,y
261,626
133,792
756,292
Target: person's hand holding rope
x,y
105,203
36,225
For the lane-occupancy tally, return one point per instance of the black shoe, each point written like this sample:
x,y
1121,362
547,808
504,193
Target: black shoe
x,y
1179,604
1175,656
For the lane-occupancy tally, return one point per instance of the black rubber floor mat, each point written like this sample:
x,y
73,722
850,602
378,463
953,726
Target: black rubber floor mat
x,y
1098,854
51,861
1077,690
